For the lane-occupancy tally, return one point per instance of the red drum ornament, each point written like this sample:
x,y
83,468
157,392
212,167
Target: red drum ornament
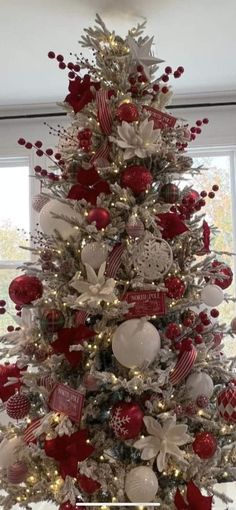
x,y
126,420
100,216
24,289
136,178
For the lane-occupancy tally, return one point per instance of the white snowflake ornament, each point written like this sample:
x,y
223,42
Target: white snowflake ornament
x,y
141,54
152,258
139,140
97,287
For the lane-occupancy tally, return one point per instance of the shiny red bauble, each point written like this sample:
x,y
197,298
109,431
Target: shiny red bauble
x,y
52,320
126,420
227,403
175,287
204,445
127,112
137,178
225,271
192,196
18,406
25,289
100,216
169,193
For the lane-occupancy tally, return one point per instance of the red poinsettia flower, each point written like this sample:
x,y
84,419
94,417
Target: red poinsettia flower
x,y
88,485
81,92
7,371
90,186
195,500
71,336
171,224
68,451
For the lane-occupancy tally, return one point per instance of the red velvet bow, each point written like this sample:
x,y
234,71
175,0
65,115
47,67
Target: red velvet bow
x,y
90,186
9,371
171,224
195,500
68,451
71,336
80,92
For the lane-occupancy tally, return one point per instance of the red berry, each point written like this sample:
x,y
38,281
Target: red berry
x,y
165,90
198,339
198,122
28,145
134,90
168,70
205,121
187,344
177,74
49,152
76,68
37,169
156,87
211,194
203,194
10,328
206,322
70,66
215,187
57,156
62,65
172,331
165,77
2,302
132,80
51,54
39,153
178,346
51,176
44,173
2,311
180,69
187,322
198,130
21,141
202,202
199,328
214,312
18,307
140,68
60,58
71,75
38,144
193,129
202,316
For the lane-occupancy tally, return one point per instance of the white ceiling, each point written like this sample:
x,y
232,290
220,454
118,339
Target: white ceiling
x,y
198,34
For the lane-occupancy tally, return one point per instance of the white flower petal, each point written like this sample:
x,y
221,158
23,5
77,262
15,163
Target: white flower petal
x,y
80,286
100,277
148,453
161,461
91,275
153,427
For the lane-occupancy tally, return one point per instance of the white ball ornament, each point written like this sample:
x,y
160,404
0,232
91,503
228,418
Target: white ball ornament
x,y
94,254
136,342
199,383
141,485
212,295
48,223
38,201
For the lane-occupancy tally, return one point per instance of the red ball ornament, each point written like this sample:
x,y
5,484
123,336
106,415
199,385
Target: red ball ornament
x,y
226,271
205,445
169,193
175,287
18,406
17,472
25,289
136,178
52,320
127,112
227,404
126,420
192,196
100,216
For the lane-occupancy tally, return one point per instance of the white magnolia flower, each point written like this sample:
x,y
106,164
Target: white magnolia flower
x,y
24,335
138,140
97,288
163,440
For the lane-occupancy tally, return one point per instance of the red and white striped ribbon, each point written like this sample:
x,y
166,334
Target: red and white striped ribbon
x,y
114,260
104,111
183,366
29,436
81,317
102,153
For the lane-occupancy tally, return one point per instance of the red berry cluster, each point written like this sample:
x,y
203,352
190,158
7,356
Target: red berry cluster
x,y
193,202
2,306
196,130
55,158
73,68
84,138
136,80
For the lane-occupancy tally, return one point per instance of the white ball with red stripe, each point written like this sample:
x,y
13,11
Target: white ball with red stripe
x,y
38,201
18,406
183,366
135,227
198,384
17,472
47,382
94,254
227,403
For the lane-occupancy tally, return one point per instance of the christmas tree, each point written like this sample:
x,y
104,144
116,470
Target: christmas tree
x,y
115,383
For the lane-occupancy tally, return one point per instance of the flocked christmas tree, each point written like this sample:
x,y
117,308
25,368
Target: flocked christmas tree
x,y
118,388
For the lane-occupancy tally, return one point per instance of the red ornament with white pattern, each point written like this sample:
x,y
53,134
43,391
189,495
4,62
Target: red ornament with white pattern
x,y
226,401
126,420
225,271
18,406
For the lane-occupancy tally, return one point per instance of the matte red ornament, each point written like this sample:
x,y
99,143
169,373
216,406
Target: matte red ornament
x,y
71,336
127,112
227,404
175,287
100,216
18,406
225,271
52,320
126,420
169,193
204,445
88,485
136,178
25,289
195,500
9,371
17,472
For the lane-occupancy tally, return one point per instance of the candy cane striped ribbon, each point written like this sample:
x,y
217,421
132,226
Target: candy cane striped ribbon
x,y
104,111
114,260
102,153
29,436
183,366
81,317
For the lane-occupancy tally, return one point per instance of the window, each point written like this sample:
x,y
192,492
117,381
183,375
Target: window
x,y
15,224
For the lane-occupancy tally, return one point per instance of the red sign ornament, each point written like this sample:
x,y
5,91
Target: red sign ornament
x,y
145,302
68,401
161,120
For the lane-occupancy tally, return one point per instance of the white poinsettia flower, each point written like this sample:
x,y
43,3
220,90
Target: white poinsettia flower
x,y
24,335
9,449
139,140
97,287
163,440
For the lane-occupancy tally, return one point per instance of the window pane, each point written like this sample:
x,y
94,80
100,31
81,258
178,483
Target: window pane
x,y
219,214
14,213
6,276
